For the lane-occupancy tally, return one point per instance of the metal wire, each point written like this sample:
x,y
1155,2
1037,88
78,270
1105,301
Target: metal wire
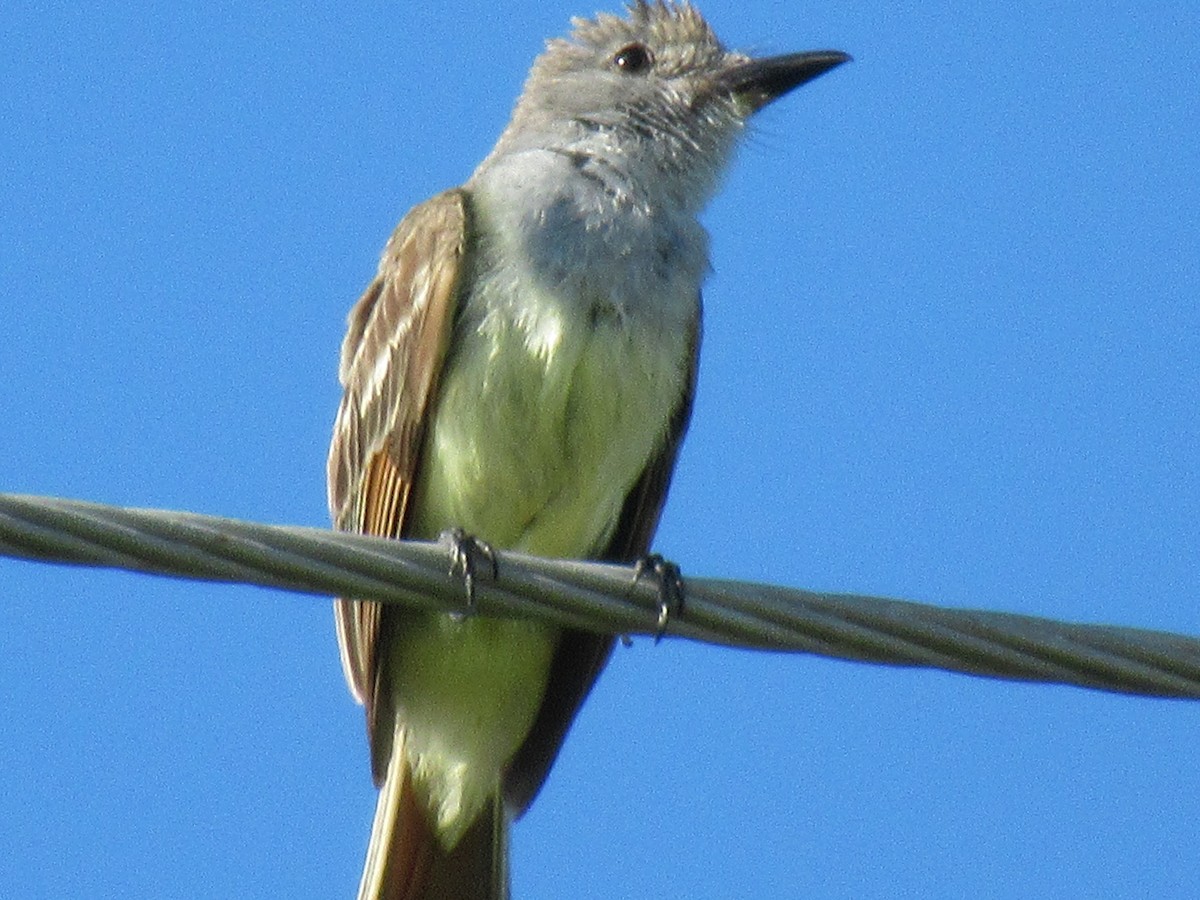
x,y
602,597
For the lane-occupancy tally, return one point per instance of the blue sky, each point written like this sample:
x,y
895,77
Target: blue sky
x,y
951,355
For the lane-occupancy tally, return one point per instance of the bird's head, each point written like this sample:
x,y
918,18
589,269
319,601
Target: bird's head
x,y
653,93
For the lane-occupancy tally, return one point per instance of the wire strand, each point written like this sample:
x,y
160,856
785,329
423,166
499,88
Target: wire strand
x,y
602,597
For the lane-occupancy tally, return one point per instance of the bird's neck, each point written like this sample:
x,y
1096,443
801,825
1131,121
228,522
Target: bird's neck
x,y
582,227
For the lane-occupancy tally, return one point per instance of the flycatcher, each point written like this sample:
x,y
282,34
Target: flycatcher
x,y
522,368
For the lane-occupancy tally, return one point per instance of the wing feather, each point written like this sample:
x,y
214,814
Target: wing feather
x,y
395,344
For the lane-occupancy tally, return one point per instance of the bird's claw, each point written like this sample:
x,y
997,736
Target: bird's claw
x,y
670,588
465,553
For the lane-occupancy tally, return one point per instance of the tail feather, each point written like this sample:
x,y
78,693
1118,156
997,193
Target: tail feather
x,y
477,868
405,860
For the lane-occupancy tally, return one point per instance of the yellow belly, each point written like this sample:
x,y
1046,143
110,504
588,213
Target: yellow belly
x,y
539,434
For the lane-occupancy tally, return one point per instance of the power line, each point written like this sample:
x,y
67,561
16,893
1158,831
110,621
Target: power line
x,y
603,597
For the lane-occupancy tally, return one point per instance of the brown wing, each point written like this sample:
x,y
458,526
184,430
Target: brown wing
x,y
581,655
393,351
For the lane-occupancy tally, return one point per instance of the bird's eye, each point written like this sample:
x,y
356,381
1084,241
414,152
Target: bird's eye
x,y
633,59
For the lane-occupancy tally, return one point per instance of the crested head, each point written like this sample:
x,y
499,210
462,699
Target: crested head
x,y
678,31
634,92
652,95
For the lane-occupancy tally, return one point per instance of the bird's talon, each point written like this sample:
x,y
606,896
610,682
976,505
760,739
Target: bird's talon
x,y
465,553
670,588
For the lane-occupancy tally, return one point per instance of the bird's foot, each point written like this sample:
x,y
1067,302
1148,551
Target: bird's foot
x,y
670,588
466,551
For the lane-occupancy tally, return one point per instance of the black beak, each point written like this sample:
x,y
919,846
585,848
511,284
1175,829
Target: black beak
x,y
759,81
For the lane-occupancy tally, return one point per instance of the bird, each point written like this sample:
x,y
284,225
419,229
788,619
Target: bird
x,y
521,370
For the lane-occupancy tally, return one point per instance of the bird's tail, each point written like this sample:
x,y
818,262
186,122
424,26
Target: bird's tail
x,y
405,861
